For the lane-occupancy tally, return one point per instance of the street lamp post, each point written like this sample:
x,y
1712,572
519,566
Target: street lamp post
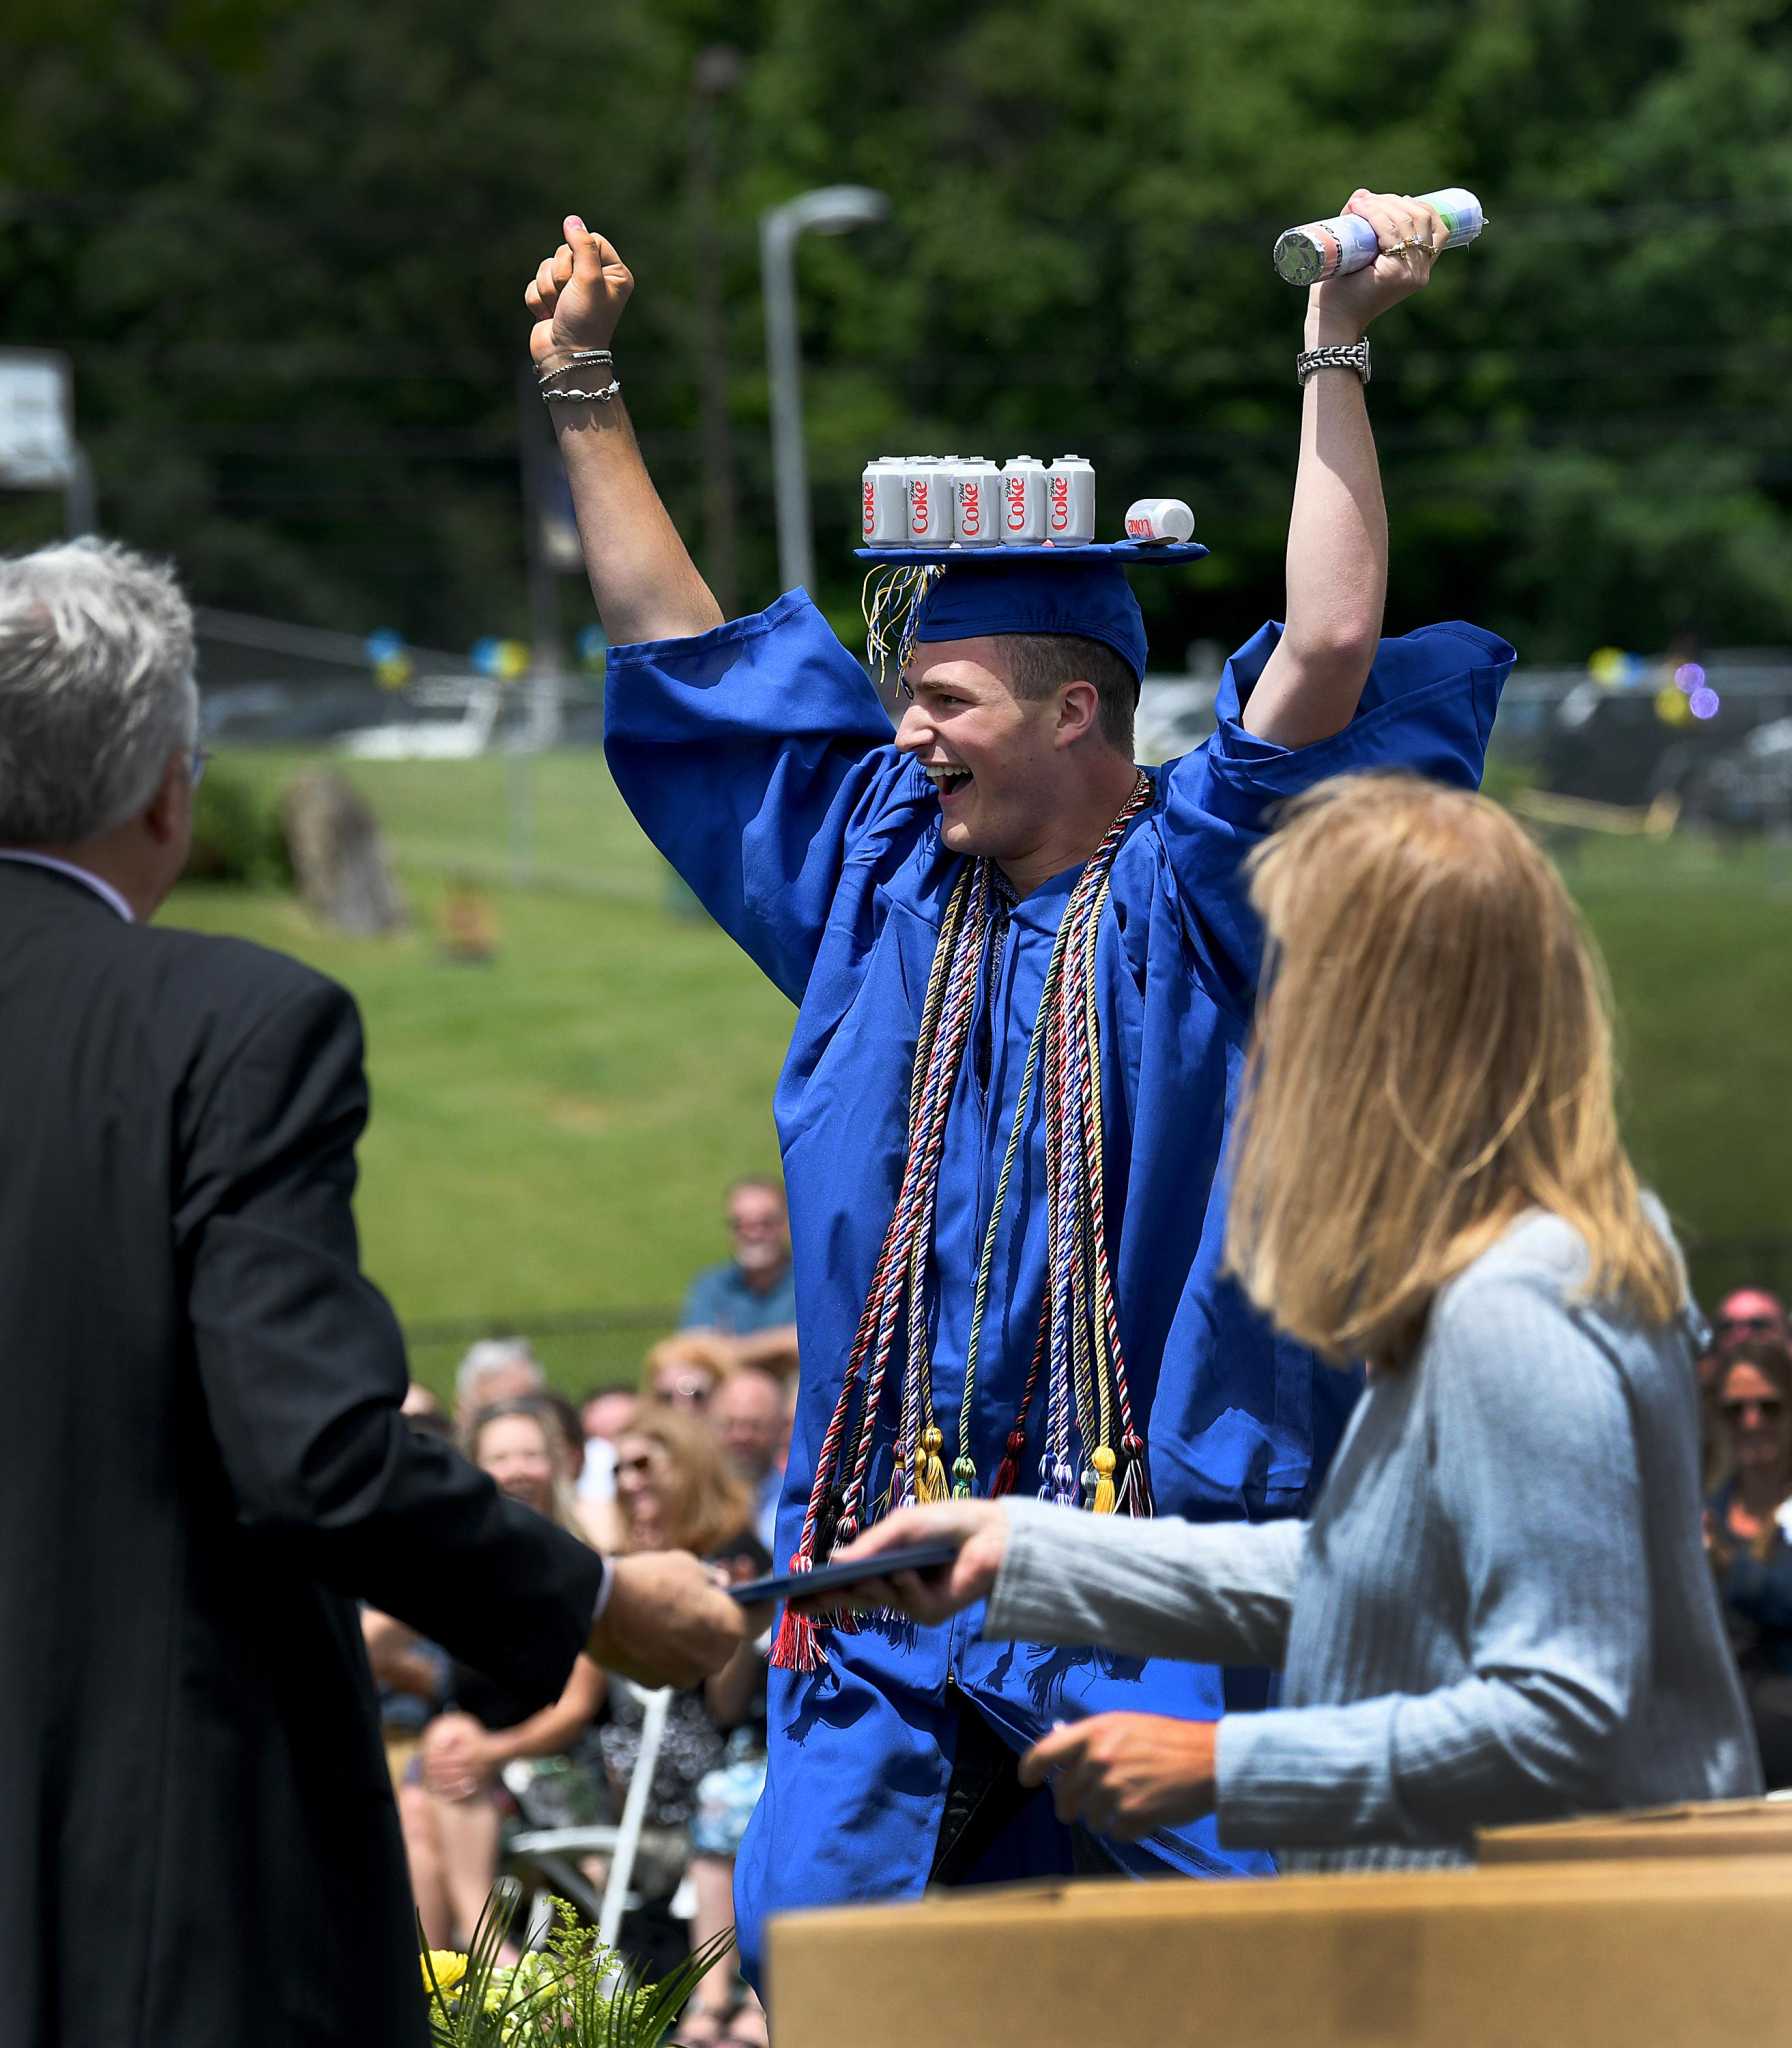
x,y
830,210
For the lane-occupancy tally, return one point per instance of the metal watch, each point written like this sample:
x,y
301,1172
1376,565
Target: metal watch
x,y
1355,357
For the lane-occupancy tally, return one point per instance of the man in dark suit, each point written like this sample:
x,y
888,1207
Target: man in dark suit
x,y
207,1462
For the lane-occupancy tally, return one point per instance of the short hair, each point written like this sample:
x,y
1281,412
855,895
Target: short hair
x,y
766,1183
96,689
1040,663
487,1356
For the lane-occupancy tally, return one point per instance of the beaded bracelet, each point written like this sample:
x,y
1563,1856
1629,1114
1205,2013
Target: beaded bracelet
x,y
603,397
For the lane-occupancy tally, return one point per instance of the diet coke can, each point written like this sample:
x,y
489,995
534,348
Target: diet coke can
x,y
977,492
884,503
1023,502
1070,501
929,487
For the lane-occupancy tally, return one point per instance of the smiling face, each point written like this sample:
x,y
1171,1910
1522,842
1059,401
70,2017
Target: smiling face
x,y
516,1451
1019,778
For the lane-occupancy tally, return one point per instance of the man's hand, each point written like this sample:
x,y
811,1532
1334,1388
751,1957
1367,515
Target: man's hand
x,y
1341,309
578,294
1125,1774
980,1529
667,1622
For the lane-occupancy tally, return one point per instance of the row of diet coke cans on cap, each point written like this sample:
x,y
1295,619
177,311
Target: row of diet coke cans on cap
x,y
937,501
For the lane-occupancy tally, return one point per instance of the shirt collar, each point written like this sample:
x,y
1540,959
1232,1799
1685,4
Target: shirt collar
x,y
102,889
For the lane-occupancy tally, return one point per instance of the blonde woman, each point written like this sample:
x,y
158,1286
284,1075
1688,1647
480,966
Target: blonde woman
x,y
1499,1609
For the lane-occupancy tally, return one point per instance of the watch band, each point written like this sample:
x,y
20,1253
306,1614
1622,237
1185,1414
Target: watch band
x,y
1355,357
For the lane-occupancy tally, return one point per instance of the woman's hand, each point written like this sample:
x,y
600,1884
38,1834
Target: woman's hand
x,y
1125,1774
456,1756
980,1529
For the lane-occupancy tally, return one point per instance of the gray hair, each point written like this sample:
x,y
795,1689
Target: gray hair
x,y
96,689
491,1354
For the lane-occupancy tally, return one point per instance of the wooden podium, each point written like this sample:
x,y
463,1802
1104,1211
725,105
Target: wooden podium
x,y
1635,1949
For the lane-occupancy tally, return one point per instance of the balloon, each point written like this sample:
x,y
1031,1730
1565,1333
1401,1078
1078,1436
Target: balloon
x,y
1671,706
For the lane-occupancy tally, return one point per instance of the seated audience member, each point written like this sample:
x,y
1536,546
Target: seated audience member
x,y
600,1525
752,1293
1749,1315
495,1369
684,1371
453,1802
1499,1610
1749,1536
604,1414
676,1487
748,1414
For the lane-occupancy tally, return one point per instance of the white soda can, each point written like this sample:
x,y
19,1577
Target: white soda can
x,y
1070,501
883,519
1159,519
1023,502
977,514
929,487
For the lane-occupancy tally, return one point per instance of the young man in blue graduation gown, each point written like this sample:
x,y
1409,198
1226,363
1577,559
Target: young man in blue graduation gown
x,y
759,759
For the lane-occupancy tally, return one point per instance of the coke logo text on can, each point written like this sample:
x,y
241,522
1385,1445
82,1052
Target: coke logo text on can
x,y
1070,488
970,508
918,512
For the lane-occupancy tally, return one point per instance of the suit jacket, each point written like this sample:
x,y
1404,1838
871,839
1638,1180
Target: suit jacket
x,y
206,1466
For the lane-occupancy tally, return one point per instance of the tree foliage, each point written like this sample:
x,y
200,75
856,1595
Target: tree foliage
x,y
285,247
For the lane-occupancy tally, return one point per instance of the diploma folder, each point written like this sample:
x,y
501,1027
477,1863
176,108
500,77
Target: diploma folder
x,y
825,1578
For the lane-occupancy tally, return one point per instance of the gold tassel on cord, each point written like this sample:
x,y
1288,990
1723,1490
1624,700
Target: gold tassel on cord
x,y
930,1470
1103,1461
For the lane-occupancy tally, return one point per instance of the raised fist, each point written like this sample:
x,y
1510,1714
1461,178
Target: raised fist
x,y
578,294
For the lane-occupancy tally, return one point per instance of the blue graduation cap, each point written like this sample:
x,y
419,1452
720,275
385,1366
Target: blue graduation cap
x,y
928,594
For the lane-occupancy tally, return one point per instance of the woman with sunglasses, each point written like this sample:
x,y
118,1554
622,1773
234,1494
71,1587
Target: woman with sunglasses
x,y
1498,1609
1748,1529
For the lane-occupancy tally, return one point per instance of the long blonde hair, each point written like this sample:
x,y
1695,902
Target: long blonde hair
x,y
704,1504
1433,1055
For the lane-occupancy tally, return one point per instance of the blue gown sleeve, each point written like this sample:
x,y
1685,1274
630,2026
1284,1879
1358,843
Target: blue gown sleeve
x,y
1427,709
756,757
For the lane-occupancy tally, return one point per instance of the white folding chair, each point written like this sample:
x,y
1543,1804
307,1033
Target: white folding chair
x,y
548,1858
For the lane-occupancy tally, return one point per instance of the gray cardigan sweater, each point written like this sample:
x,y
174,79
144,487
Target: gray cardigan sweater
x,y
1499,1611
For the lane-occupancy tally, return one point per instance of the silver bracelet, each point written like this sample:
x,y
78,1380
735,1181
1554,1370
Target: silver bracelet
x,y
576,359
603,397
1336,357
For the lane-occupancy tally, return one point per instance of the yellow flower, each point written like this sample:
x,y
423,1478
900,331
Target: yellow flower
x,y
449,1968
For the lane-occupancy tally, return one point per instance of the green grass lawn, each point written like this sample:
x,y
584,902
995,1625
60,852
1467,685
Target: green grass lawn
x,y
552,1132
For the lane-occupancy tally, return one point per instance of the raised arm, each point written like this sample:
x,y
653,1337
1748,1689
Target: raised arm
x,y
1338,531
645,583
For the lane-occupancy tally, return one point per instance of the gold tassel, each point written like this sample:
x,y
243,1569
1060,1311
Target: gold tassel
x,y
1103,1461
930,1470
